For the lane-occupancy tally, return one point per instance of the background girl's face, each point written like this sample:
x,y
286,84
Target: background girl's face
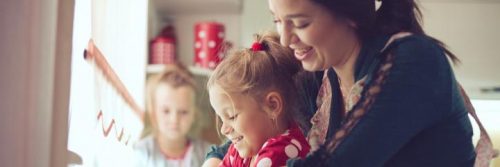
x,y
244,121
319,39
174,111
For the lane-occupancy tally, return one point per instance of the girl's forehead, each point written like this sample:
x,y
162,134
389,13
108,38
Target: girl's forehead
x,y
167,92
217,93
226,102
219,98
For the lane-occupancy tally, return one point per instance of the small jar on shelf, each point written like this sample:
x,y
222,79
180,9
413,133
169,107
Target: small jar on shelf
x,y
163,47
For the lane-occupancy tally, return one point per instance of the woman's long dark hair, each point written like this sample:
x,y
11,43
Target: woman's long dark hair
x,y
393,16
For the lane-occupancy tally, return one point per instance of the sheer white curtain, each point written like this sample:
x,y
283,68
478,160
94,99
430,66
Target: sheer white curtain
x,y
102,126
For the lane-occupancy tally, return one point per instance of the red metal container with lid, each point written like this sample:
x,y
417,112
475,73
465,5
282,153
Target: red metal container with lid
x,y
163,47
208,44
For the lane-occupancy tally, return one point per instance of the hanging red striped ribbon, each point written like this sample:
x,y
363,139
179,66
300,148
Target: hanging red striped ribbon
x,y
109,109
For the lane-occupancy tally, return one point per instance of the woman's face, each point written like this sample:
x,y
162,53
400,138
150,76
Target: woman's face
x,y
244,121
174,111
319,39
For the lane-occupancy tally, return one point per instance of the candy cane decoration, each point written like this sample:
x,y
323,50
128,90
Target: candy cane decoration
x,y
95,57
112,125
93,54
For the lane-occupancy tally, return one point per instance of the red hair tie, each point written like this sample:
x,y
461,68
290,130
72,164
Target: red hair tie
x,y
256,46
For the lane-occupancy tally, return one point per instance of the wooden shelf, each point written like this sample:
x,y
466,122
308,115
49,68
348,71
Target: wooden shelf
x,y
200,71
157,68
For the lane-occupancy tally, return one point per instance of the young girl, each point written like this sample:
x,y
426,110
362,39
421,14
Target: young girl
x,y
169,118
251,93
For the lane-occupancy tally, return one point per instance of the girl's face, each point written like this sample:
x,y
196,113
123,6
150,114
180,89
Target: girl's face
x,y
174,111
244,120
320,40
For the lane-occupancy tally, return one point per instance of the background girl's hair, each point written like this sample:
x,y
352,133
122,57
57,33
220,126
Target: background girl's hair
x,y
392,17
174,75
255,73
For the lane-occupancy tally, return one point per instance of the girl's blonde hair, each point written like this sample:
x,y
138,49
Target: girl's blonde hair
x,y
256,73
175,76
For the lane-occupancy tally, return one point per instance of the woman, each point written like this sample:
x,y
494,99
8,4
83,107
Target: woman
x,y
387,94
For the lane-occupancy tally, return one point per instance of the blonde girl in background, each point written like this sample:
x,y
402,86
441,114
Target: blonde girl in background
x,y
170,119
252,92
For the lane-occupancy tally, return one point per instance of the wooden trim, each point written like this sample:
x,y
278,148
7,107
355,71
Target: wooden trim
x,y
61,84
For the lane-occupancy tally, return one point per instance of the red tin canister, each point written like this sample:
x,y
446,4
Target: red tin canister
x,y
163,47
208,44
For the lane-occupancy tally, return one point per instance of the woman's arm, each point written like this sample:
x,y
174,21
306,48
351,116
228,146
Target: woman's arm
x,y
212,162
216,154
410,101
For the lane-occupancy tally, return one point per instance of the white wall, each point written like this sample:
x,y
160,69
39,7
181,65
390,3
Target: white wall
x,y
34,66
471,29
255,17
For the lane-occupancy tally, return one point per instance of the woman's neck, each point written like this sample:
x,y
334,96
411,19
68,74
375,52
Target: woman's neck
x,y
345,69
172,148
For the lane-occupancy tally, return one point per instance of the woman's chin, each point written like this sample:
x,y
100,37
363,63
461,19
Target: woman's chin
x,y
311,66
